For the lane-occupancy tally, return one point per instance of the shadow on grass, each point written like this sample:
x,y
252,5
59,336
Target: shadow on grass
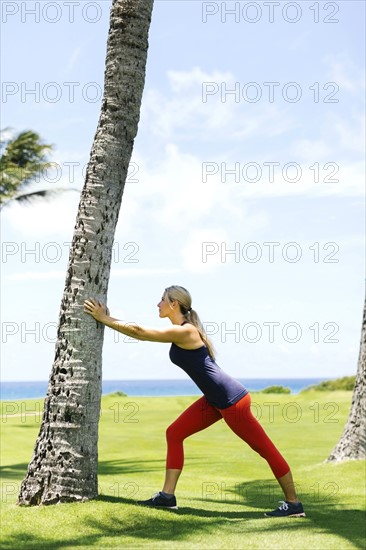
x,y
144,524
106,467
325,515
189,511
15,471
121,466
115,467
323,508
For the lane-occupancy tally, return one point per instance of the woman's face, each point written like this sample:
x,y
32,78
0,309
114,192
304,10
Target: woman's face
x,y
164,307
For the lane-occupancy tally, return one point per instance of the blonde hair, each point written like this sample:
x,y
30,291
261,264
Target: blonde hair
x,y
184,299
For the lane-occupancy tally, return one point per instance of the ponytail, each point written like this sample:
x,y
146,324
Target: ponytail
x,y
183,297
192,317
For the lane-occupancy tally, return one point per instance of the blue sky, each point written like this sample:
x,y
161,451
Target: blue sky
x,y
246,183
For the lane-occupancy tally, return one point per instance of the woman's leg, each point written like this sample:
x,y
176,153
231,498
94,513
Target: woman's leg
x,y
197,417
171,480
288,487
241,420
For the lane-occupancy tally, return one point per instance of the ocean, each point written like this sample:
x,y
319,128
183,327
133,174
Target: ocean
x,y
151,388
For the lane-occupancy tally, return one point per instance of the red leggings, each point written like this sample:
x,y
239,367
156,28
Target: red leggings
x,y
238,417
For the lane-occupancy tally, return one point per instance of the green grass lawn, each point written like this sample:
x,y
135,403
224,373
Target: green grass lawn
x,y
223,491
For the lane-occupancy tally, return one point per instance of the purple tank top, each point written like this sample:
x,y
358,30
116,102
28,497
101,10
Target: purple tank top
x,y
219,388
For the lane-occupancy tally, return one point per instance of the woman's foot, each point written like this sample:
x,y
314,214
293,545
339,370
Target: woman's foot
x,y
287,509
160,501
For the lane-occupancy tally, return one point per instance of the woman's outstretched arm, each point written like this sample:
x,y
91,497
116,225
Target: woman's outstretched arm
x,y
176,333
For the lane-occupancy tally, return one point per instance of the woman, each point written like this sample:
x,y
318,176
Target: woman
x,y
223,397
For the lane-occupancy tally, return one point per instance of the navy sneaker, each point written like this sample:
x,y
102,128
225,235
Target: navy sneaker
x,y
160,501
287,509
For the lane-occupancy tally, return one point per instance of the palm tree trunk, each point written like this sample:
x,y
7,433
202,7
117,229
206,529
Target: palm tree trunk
x,y
63,467
352,444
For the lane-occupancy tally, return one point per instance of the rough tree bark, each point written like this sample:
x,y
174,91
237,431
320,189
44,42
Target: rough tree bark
x,y
63,467
352,444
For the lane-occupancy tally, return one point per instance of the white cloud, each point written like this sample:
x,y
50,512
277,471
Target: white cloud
x,y
201,252
73,59
36,276
142,272
115,273
343,71
350,134
311,149
276,122
181,198
338,141
200,104
44,217
181,81
7,133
